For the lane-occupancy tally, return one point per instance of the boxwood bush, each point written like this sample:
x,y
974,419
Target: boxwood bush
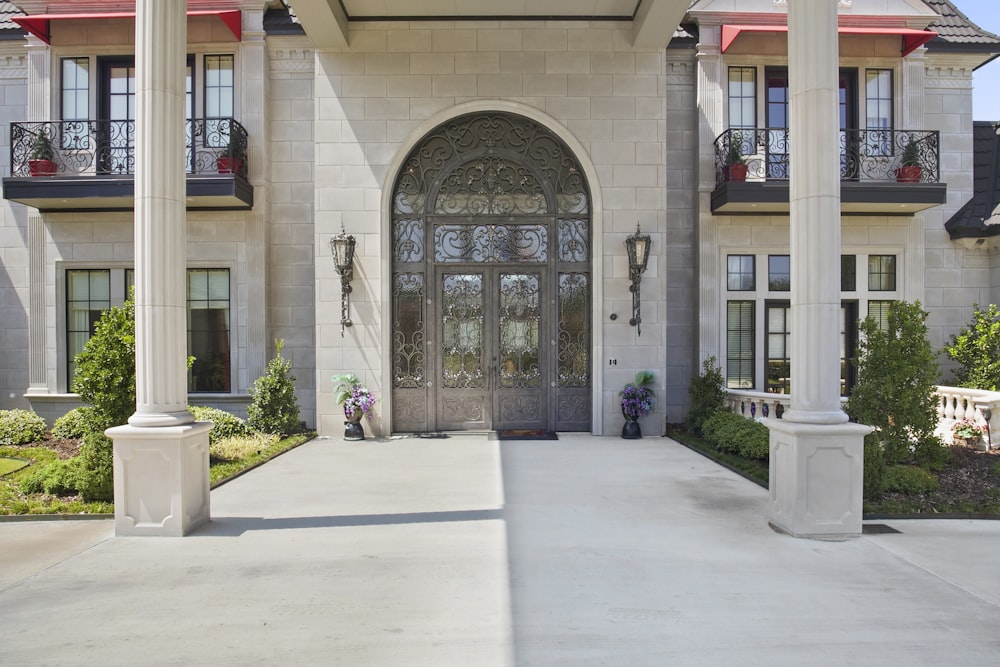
x,y
736,434
19,427
909,480
225,424
74,424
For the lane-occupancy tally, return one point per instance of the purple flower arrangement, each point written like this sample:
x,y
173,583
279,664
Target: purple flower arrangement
x,y
355,397
359,400
637,397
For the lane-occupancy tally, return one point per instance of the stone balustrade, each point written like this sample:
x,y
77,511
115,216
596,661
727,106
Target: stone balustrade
x,y
954,405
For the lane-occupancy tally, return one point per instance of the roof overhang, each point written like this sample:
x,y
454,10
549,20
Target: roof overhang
x,y
653,22
911,39
39,25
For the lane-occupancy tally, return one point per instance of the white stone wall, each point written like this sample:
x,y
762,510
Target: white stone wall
x,y
397,80
958,273
14,270
290,239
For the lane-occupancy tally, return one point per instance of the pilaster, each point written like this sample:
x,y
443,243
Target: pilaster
x,y
37,347
253,103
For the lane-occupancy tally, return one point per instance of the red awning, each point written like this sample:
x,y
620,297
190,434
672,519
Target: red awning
x,y
912,39
38,24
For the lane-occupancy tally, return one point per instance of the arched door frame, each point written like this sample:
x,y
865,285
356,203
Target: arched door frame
x,y
597,239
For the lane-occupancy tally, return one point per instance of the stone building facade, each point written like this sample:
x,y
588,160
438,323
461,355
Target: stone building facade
x,y
491,284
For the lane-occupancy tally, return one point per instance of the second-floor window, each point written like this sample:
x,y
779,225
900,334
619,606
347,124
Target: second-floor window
x,y
109,98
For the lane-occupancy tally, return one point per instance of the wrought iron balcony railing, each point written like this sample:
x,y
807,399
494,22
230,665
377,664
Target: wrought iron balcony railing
x,y
107,147
865,155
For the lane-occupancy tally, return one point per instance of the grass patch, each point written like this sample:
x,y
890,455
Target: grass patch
x,y
232,457
753,469
8,466
228,459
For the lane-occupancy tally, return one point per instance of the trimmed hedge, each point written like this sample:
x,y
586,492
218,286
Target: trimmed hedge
x,y
74,424
909,480
225,424
20,427
736,434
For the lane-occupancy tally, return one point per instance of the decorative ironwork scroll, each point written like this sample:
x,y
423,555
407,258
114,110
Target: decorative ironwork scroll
x,y
462,316
107,147
865,155
574,330
491,163
491,243
408,330
520,321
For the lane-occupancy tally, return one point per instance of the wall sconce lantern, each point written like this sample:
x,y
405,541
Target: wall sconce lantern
x,y
637,245
342,247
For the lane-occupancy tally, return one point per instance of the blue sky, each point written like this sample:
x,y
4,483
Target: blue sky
x,y
986,80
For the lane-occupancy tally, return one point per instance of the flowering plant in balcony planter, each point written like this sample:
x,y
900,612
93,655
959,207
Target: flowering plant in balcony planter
x,y
968,429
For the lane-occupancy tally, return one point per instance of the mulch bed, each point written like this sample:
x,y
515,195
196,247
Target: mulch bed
x,y
968,484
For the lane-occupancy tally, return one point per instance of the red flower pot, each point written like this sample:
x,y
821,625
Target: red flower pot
x,y
41,167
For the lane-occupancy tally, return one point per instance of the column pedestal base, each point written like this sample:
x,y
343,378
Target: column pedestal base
x,y
816,479
161,479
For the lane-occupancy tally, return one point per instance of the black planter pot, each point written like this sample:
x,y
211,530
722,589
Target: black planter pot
x,y
353,429
631,430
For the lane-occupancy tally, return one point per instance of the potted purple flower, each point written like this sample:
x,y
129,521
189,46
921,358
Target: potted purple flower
x,y
358,402
637,401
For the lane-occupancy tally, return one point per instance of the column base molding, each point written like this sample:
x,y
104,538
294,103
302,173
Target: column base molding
x,y
816,479
161,479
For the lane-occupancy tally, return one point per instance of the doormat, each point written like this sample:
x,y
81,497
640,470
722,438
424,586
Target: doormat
x,y
526,434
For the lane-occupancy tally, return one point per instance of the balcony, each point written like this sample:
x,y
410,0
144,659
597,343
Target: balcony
x,y
875,173
89,165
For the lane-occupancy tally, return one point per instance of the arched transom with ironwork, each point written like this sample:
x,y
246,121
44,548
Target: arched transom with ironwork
x,y
491,280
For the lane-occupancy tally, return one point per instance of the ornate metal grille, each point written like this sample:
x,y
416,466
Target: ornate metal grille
x,y
491,189
491,243
408,329
462,329
520,321
574,330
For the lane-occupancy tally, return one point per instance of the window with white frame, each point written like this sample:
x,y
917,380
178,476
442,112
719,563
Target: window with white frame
x,y
89,292
758,347
88,295
740,344
208,330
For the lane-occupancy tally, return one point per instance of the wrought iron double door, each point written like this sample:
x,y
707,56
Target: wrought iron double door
x,y
494,357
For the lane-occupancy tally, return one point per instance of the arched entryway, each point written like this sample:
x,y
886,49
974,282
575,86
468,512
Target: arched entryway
x,y
491,280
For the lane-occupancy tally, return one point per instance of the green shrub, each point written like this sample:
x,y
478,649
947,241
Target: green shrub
x,y
909,480
58,478
224,424
897,381
733,433
706,394
19,427
874,468
74,424
976,348
105,368
274,408
97,477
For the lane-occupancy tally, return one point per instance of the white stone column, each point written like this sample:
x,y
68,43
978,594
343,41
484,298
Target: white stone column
x,y
161,456
817,458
